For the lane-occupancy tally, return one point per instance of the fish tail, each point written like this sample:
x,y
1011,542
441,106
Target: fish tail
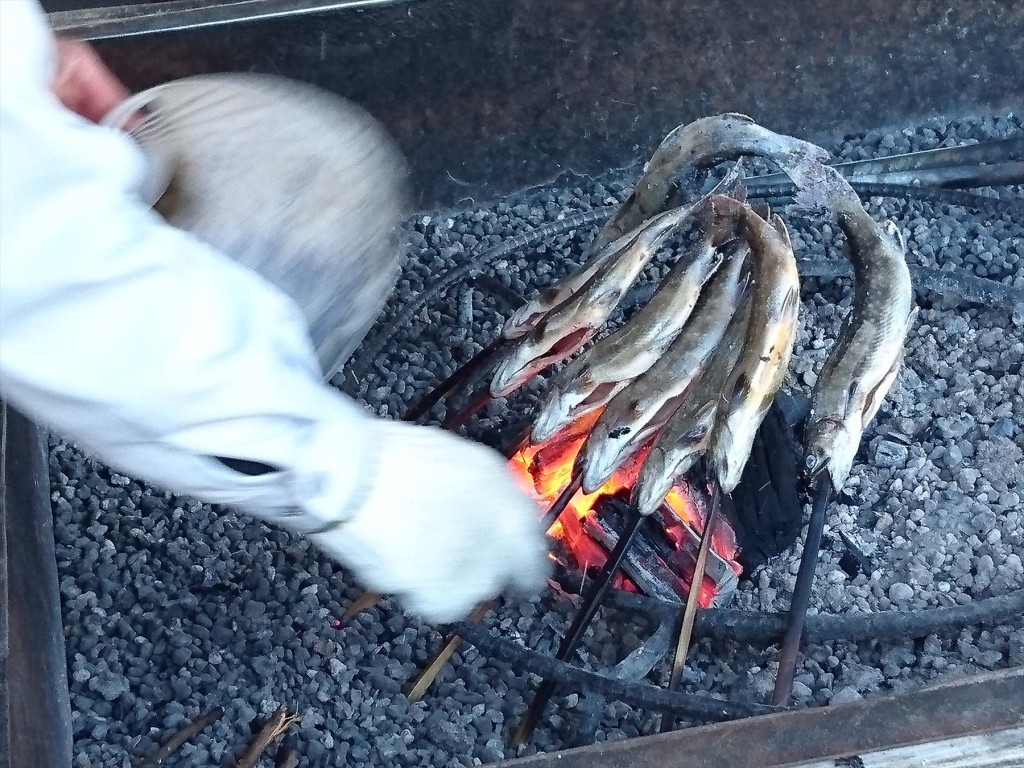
x,y
821,188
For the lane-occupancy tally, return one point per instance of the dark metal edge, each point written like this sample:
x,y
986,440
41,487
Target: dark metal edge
x,y
35,683
970,705
118,21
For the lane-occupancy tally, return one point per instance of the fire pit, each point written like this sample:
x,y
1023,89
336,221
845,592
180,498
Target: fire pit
x,y
173,610
183,608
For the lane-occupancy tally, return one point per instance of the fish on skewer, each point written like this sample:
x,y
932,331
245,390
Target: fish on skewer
x,y
865,360
561,332
685,437
529,316
642,408
771,333
702,144
593,379
699,145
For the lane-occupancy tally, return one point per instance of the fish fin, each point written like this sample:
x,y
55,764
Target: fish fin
x,y
731,184
721,229
737,116
780,227
874,398
740,390
791,304
893,231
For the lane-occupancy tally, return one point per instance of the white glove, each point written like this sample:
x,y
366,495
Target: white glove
x,y
165,358
444,525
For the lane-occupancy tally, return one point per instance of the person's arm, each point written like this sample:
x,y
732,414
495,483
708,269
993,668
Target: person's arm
x,y
175,365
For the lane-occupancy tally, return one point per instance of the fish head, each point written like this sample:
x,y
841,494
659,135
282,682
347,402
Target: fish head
x,y
608,447
512,371
662,469
830,447
554,415
654,483
730,448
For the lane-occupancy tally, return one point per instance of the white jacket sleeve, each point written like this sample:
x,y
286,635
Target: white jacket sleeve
x,y
151,350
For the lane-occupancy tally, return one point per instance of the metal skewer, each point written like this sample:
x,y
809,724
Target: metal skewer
x,y
591,602
478,362
558,507
477,404
802,593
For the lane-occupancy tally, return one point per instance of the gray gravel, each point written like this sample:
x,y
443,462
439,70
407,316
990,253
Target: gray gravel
x,y
173,607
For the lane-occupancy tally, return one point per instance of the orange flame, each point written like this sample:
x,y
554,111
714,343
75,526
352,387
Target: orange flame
x,y
545,470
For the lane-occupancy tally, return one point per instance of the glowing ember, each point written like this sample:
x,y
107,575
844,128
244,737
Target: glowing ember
x,y
546,469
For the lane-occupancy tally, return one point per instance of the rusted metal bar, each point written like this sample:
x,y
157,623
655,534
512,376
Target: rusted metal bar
x,y
35,708
968,705
477,404
466,372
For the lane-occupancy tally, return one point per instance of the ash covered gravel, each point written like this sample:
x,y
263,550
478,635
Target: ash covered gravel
x,y
172,607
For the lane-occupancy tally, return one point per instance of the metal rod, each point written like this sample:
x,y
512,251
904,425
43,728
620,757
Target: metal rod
x,y
999,150
692,604
130,20
457,419
465,372
591,602
517,443
558,507
802,593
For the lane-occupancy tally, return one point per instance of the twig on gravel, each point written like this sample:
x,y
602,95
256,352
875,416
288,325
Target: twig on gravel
x,y
276,726
178,740
364,602
287,754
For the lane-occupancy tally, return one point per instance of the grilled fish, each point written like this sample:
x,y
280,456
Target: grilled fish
x,y
685,436
863,364
527,317
701,144
768,346
606,369
642,408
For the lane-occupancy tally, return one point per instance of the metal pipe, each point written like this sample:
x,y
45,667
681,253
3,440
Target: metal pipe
x,y
175,15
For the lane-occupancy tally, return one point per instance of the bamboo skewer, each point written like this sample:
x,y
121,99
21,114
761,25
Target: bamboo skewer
x,y
692,604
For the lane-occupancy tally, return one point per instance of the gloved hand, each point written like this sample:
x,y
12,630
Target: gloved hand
x,y
443,526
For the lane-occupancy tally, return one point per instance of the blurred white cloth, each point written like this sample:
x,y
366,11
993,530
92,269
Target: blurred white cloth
x,y
161,356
